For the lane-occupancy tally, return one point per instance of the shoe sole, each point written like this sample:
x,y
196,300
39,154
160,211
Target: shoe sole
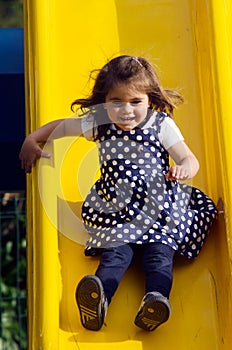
x,y
154,312
89,299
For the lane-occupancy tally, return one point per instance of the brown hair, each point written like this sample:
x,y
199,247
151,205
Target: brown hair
x,y
137,72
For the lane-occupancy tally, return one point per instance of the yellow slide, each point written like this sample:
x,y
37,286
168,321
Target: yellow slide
x,y
190,41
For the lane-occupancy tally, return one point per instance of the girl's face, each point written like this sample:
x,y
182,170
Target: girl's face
x,y
126,107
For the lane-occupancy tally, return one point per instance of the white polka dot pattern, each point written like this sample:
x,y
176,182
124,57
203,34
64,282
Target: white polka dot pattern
x,y
133,202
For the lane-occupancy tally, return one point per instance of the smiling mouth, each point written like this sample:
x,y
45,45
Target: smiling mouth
x,y
127,119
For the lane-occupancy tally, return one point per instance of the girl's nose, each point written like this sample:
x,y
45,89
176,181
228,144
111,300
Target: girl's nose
x,y
127,108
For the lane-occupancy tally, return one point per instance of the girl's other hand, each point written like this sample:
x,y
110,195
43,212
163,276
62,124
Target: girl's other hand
x,y
177,172
30,152
186,164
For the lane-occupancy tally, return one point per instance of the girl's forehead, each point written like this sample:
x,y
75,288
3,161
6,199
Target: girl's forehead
x,y
123,89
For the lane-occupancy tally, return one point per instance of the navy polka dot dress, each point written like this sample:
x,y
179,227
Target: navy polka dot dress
x,y
132,202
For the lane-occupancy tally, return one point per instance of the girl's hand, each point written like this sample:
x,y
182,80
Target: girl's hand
x,y
178,172
30,152
186,164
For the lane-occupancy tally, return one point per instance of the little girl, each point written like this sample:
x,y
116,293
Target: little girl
x,y
137,205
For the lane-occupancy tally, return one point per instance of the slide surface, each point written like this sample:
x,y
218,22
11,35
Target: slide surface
x,y
190,43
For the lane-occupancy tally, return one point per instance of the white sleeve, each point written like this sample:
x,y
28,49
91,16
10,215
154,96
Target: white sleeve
x,y
169,134
89,127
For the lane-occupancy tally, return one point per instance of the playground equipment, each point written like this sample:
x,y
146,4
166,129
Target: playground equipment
x,y
191,43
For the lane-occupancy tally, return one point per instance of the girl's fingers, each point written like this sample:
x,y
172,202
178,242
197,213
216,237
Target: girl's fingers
x,y
45,155
169,176
177,173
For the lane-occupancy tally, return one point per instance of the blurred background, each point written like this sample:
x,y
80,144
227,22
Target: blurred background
x,y
13,295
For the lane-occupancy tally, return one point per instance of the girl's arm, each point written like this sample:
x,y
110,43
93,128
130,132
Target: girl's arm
x,y
186,166
31,151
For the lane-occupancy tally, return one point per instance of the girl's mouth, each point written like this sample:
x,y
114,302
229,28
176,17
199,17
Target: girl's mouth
x,y
127,119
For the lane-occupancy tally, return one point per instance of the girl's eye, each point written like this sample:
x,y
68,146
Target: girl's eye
x,y
116,103
136,102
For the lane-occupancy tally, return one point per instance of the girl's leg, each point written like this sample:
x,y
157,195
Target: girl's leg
x,y
94,293
158,265
155,307
113,264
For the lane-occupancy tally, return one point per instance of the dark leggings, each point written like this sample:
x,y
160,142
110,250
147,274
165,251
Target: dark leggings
x,y
157,262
